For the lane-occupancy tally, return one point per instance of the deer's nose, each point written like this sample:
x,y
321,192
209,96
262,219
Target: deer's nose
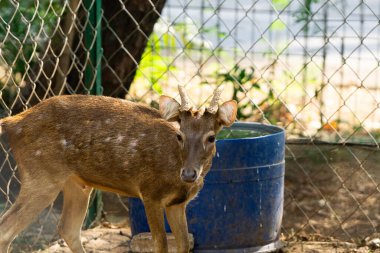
x,y
189,175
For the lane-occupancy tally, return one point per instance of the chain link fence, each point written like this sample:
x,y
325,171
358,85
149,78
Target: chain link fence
x,y
310,66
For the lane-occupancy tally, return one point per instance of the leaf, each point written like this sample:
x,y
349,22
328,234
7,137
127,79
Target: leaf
x,y
277,25
221,35
280,4
241,76
157,87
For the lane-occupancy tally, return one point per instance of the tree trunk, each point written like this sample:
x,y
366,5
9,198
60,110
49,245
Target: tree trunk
x,y
125,35
126,27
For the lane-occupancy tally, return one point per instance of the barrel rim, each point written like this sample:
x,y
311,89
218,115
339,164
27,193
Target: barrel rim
x,y
274,130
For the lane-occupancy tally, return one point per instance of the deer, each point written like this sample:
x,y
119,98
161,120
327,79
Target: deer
x,y
75,143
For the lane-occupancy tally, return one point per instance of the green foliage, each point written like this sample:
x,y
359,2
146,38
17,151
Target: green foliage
x,y
191,36
154,65
280,4
243,81
305,12
269,107
24,27
277,25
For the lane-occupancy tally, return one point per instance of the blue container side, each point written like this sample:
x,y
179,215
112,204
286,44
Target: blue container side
x,y
241,214
245,175
241,203
250,152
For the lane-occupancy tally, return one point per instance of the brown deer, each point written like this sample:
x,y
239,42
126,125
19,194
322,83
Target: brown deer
x,y
76,143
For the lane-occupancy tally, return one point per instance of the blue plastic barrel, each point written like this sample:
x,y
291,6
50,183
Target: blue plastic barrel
x,y
240,207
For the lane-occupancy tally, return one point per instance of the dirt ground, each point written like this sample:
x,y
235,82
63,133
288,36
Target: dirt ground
x,y
331,205
118,240
332,191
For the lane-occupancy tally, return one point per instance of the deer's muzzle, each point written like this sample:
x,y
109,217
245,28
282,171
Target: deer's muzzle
x,y
189,175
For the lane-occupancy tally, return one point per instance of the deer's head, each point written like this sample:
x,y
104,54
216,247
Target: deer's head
x,y
197,130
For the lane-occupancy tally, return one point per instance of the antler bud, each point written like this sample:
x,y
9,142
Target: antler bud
x,y
214,105
185,101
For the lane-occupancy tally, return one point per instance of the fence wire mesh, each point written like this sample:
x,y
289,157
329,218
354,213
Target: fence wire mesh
x,y
310,66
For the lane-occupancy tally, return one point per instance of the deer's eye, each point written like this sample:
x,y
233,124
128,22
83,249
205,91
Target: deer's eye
x,y
179,137
211,138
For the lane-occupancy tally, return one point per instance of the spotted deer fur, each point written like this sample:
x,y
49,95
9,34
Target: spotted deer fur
x,y
76,143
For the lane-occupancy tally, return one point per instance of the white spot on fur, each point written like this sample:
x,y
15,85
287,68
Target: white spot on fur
x,y
19,130
108,121
107,139
38,152
119,138
132,145
142,135
61,103
64,143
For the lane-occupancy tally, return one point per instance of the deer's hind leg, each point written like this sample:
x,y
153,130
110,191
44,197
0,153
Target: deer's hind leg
x,y
35,195
75,202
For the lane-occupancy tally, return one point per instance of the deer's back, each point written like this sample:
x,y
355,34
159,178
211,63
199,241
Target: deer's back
x,y
105,141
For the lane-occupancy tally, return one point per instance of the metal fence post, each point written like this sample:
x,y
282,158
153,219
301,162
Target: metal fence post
x,y
93,79
93,43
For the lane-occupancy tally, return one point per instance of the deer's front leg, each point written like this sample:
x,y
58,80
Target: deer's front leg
x,y
176,216
155,216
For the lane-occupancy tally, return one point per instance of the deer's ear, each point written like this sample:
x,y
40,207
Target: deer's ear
x,y
227,112
169,108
